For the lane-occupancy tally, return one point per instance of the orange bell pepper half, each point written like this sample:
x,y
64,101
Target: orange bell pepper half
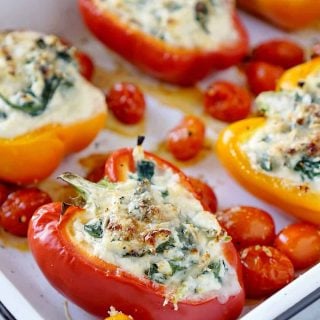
x,y
287,14
34,156
303,203
156,57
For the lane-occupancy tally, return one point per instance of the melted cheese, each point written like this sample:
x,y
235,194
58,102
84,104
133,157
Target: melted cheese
x,y
188,24
40,84
155,229
288,145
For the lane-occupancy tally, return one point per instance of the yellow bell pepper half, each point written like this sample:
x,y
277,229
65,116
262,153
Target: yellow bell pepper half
x,y
301,202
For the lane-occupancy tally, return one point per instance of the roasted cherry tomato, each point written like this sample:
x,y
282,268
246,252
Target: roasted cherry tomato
x,y
301,243
283,53
126,102
265,270
4,192
262,76
18,208
186,140
227,102
247,226
205,193
86,65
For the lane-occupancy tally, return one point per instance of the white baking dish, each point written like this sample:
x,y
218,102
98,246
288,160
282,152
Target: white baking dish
x,y
23,289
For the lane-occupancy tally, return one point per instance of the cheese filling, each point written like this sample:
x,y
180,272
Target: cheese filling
x,y
288,145
206,24
153,228
40,84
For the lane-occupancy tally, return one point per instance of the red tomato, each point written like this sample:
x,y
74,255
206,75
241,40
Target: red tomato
x,y
205,194
301,243
283,53
126,102
186,140
265,270
86,65
262,76
4,192
247,226
227,102
18,208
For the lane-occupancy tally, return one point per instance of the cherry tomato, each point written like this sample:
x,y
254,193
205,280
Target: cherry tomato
x,y
262,76
186,140
283,53
126,102
265,270
86,65
205,193
4,192
18,208
227,102
300,242
247,226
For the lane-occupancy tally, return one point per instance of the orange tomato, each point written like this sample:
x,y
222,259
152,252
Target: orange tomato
x,y
301,243
247,226
265,270
186,140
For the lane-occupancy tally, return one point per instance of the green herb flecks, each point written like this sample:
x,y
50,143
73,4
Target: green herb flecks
x,y
145,170
64,55
35,105
41,43
94,229
266,163
153,274
309,168
185,238
175,266
164,193
3,115
215,268
202,15
165,245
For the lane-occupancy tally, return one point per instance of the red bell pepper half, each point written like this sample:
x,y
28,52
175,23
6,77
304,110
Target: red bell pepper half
x,y
95,285
167,62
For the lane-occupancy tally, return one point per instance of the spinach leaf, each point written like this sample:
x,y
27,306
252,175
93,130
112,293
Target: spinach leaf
x,y
308,167
94,229
215,267
165,245
202,14
175,267
266,163
185,238
145,170
153,274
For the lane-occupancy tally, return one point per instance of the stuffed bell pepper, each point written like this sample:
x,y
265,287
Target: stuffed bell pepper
x,y
174,40
288,14
47,108
139,241
277,156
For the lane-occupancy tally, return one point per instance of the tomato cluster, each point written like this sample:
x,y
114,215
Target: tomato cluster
x,y
269,260
17,206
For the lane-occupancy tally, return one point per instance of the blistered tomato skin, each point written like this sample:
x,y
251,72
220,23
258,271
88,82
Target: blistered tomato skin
x,y
265,271
86,65
227,102
262,76
247,226
126,102
186,140
300,242
283,53
205,193
18,208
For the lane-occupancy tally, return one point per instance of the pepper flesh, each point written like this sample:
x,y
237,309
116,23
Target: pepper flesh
x,y
288,14
96,285
300,202
155,57
34,156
